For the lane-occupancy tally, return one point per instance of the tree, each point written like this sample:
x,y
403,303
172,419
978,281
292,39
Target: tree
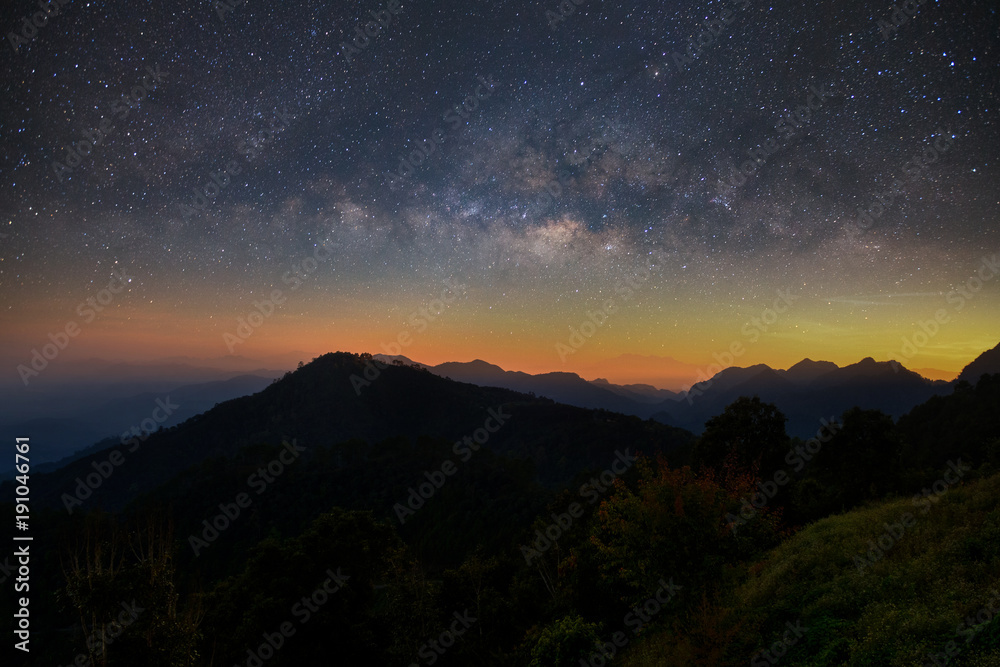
x,y
860,462
332,585
120,582
674,526
565,643
751,430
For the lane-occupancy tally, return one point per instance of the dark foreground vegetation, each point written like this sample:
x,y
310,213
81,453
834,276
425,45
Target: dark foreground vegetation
x,y
549,536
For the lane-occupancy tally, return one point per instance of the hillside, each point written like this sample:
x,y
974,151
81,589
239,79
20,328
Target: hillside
x,y
552,531
319,406
933,588
986,363
63,434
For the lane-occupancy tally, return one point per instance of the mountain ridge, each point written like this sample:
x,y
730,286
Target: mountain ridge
x,y
337,398
985,364
805,391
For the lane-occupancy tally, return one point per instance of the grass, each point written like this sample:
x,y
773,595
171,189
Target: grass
x,y
897,611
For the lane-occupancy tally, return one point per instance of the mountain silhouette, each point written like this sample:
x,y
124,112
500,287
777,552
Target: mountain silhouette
x,y
806,392
341,397
640,393
562,387
808,370
62,437
986,363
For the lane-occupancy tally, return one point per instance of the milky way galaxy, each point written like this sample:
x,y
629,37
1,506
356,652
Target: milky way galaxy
x,y
314,176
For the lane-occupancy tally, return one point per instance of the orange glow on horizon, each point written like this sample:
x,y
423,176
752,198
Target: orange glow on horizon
x,y
626,349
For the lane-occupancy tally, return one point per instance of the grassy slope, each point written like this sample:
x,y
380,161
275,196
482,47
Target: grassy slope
x,y
898,611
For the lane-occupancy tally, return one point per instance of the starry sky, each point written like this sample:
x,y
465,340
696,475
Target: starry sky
x,y
545,186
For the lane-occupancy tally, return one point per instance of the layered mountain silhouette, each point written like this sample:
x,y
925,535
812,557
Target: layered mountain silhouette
x,y
805,393
562,387
101,414
342,397
367,434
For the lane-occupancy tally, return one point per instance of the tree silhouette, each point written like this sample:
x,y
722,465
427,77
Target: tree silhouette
x,y
120,581
860,462
751,430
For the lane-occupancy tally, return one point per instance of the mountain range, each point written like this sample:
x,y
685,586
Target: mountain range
x,y
76,414
321,405
805,393
448,481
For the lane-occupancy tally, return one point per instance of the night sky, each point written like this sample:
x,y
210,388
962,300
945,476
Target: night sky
x,y
599,162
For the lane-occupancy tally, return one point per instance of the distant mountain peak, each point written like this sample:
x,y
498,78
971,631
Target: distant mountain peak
x,y
870,369
474,366
485,364
808,363
389,358
807,370
744,371
868,363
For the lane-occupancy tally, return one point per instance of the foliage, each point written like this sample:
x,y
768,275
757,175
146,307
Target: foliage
x,y
335,510
565,643
120,582
750,430
673,525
